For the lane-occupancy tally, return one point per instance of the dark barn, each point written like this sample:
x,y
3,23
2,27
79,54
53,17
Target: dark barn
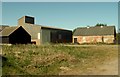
x,y
56,35
15,35
44,34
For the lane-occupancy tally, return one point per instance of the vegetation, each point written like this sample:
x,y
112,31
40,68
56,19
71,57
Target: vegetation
x,y
52,59
100,24
118,38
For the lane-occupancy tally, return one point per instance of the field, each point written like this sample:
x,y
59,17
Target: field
x,y
55,59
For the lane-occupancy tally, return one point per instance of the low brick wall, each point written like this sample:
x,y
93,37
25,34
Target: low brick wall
x,y
35,41
94,39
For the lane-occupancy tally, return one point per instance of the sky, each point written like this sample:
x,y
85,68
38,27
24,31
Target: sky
x,y
59,0
68,15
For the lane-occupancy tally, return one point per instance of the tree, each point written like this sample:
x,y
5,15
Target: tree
x,y
99,24
118,38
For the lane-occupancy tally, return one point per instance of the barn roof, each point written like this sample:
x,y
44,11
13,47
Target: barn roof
x,y
34,29
2,27
50,27
8,30
97,30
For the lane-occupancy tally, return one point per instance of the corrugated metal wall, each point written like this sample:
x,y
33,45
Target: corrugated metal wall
x,y
56,36
4,39
45,36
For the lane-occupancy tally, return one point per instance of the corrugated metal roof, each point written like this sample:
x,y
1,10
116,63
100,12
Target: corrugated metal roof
x,y
7,31
97,30
51,27
34,29
2,27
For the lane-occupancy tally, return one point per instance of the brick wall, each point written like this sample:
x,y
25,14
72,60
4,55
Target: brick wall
x,y
94,39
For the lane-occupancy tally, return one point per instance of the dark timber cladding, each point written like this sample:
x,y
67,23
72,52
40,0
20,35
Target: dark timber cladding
x,y
15,35
58,35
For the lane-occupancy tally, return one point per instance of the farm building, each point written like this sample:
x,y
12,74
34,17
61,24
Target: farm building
x,y
103,34
14,35
44,34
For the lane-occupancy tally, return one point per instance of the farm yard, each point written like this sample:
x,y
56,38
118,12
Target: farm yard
x,y
75,38
60,59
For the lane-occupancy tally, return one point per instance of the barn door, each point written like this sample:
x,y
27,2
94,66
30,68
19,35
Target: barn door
x,y
75,40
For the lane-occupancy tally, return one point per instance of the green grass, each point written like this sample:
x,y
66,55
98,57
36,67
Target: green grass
x,y
47,59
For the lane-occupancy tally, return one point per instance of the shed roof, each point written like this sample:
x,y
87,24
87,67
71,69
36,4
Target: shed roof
x,y
50,27
34,29
2,27
8,30
96,30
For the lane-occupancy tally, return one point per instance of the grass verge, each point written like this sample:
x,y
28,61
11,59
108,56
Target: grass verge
x,y
53,59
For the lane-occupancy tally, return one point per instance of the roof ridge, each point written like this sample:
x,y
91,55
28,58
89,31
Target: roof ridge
x,y
96,26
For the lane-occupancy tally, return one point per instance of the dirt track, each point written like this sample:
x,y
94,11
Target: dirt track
x,y
107,68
